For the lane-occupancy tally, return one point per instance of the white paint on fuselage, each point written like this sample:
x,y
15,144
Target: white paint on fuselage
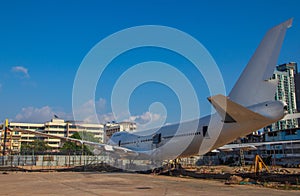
x,y
187,139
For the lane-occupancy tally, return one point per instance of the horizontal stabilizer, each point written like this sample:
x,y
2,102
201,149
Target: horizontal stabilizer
x,y
232,112
291,116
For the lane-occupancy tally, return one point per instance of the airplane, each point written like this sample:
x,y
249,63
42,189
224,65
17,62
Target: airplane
x,y
249,106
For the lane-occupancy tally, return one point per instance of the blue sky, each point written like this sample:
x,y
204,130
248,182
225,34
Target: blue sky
x,y
42,44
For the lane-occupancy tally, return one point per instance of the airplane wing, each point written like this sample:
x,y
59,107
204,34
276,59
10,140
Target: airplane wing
x,y
116,151
252,146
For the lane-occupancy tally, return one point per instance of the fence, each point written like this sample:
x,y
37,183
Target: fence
x,y
63,161
52,160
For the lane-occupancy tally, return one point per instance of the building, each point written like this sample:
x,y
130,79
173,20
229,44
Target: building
x,y
12,144
288,150
57,127
297,86
62,128
15,138
287,75
112,127
128,126
286,92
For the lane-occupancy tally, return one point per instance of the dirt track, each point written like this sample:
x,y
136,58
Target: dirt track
x,y
95,183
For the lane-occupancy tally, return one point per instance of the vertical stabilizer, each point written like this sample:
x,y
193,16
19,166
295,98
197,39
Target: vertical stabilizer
x,y
254,85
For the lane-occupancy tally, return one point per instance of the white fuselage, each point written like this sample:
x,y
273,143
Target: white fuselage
x,y
195,137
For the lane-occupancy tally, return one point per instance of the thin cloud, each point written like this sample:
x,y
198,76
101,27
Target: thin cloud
x,y
43,114
39,115
32,114
100,118
22,70
86,111
148,120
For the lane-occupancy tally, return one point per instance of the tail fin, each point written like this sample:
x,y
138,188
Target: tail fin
x,y
254,85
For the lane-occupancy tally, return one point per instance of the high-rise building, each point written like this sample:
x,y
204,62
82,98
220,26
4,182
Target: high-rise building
x,y
286,92
297,86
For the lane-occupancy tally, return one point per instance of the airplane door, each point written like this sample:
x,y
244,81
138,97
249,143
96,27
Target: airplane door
x,y
138,141
156,139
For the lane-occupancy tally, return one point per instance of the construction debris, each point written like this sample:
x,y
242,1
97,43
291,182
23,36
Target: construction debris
x,y
234,180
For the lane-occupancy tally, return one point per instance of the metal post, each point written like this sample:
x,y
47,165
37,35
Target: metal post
x,y
4,140
5,136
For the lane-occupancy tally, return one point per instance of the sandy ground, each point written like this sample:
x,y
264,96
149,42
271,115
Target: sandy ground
x,y
95,183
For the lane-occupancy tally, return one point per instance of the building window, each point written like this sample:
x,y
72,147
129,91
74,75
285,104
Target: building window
x,y
291,132
272,134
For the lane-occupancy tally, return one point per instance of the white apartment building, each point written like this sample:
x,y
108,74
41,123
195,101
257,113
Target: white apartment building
x,y
285,74
62,128
111,127
57,127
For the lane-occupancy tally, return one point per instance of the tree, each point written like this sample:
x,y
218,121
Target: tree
x,y
77,148
37,146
